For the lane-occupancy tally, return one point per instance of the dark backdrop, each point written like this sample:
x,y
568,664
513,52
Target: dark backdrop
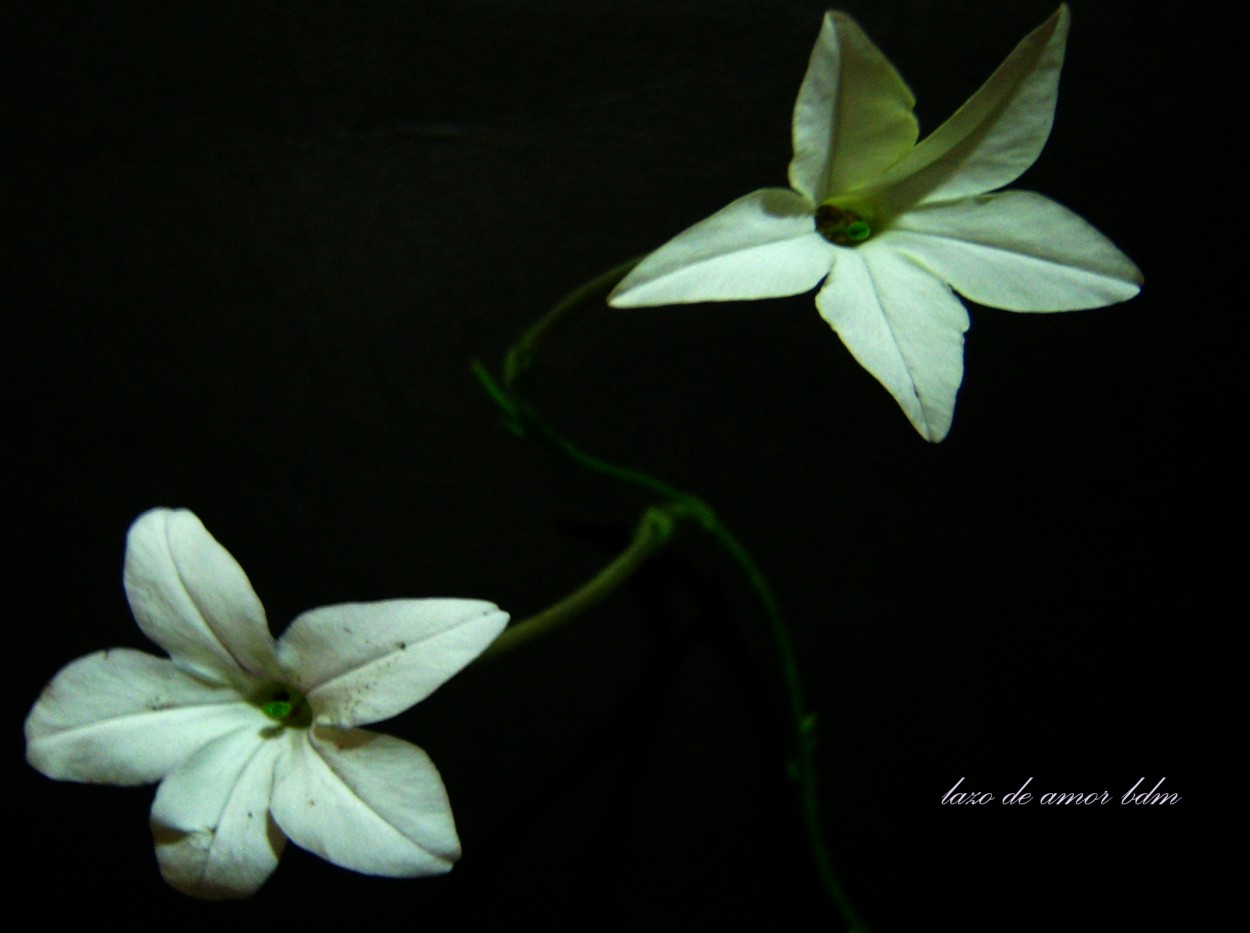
x,y
254,247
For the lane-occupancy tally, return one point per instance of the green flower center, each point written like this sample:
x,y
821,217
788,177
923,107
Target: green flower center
x,y
284,705
841,226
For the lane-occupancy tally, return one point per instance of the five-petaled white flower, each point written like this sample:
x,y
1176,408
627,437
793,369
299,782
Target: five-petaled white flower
x,y
253,740
893,225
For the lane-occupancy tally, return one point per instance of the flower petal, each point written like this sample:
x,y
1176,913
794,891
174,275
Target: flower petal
x,y
763,245
193,599
904,326
214,836
853,118
998,132
125,717
361,662
1017,250
367,802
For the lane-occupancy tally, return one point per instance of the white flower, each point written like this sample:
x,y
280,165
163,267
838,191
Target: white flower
x,y
892,225
254,741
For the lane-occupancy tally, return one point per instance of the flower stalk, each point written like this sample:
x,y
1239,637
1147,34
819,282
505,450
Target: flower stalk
x,y
655,529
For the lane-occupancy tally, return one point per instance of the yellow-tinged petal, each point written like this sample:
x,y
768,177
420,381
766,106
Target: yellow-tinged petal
x,y
853,118
998,132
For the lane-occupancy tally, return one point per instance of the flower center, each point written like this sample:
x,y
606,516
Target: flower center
x,y
841,226
283,704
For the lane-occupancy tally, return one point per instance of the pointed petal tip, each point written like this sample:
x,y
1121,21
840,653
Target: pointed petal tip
x,y
1056,24
633,295
932,430
619,297
1055,27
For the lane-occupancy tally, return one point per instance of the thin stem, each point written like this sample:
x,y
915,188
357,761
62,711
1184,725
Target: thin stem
x,y
520,357
802,766
524,420
654,531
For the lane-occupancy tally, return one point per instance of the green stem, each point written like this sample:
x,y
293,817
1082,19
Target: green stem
x,y
802,765
520,357
524,420
654,531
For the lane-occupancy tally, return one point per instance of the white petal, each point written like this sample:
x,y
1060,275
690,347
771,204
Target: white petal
x,y
998,132
853,118
125,717
763,245
361,662
367,802
1017,250
193,599
210,819
904,326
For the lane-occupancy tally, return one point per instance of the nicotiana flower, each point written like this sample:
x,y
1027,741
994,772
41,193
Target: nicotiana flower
x,y
255,741
892,225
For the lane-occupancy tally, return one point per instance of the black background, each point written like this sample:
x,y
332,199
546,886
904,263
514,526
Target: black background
x,y
254,247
